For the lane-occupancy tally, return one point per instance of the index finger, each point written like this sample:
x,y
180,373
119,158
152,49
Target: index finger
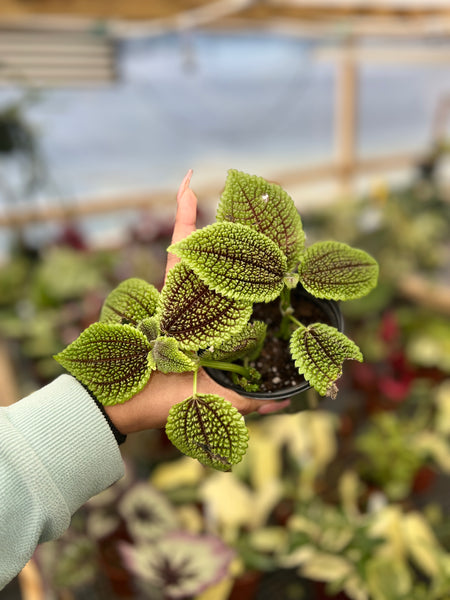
x,y
186,217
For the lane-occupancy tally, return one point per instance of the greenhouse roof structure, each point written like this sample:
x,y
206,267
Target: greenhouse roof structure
x,y
398,17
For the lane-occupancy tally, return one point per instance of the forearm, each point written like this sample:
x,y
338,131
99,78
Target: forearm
x,y
51,446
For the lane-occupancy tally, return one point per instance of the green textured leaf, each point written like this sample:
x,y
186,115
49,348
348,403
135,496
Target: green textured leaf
x,y
113,361
210,429
336,271
169,358
265,207
319,352
130,302
150,328
235,261
196,316
247,342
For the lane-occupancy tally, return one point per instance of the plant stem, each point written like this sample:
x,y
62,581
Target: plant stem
x,y
285,301
225,366
286,312
294,320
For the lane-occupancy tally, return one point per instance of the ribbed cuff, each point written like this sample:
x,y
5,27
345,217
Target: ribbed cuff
x,y
120,437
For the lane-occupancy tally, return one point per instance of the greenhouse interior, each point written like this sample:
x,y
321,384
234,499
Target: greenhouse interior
x,y
287,435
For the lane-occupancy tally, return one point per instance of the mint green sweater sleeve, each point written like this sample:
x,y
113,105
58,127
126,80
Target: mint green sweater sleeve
x,y
56,452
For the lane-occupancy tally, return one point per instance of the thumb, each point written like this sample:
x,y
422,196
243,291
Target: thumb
x,y
186,217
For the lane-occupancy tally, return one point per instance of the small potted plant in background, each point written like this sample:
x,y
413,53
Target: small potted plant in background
x,y
203,317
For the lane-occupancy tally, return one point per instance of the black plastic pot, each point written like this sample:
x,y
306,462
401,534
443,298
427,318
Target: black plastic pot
x,y
332,315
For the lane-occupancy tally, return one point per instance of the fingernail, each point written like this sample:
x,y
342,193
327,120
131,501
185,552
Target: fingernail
x,y
184,184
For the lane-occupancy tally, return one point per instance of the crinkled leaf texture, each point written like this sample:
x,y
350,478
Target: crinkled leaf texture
x,y
319,352
169,358
150,327
235,260
113,361
130,302
336,271
247,342
196,316
265,207
208,428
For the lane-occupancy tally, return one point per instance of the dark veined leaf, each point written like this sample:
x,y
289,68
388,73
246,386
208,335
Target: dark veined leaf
x,y
266,207
336,271
169,358
247,342
113,361
319,352
210,429
130,302
235,261
196,316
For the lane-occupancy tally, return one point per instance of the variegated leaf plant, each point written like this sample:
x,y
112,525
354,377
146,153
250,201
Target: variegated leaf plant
x,y
254,252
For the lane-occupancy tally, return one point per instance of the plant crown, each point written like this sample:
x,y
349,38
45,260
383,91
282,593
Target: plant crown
x,y
254,252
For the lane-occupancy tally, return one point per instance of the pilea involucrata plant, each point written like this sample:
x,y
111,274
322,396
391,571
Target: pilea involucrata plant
x,y
254,253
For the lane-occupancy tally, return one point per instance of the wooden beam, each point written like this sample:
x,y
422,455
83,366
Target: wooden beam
x,y
362,166
377,6
346,108
85,208
433,295
391,55
95,206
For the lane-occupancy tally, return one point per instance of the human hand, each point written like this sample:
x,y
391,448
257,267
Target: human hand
x,y
150,407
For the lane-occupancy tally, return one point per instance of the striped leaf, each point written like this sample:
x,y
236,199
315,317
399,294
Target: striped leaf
x,y
169,358
210,429
235,261
113,361
265,207
319,352
196,316
247,342
336,271
130,302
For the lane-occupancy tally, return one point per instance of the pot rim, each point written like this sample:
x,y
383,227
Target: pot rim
x,y
334,313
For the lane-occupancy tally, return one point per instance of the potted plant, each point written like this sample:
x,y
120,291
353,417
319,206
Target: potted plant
x,y
254,253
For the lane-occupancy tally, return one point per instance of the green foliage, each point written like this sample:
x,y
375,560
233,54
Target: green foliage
x,y
336,271
196,316
13,277
391,452
64,274
150,328
113,361
209,428
265,207
319,351
247,342
169,358
201,317
130,302
235,260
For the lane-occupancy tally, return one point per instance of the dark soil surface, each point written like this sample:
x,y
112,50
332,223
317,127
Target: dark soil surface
x,y
275,362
